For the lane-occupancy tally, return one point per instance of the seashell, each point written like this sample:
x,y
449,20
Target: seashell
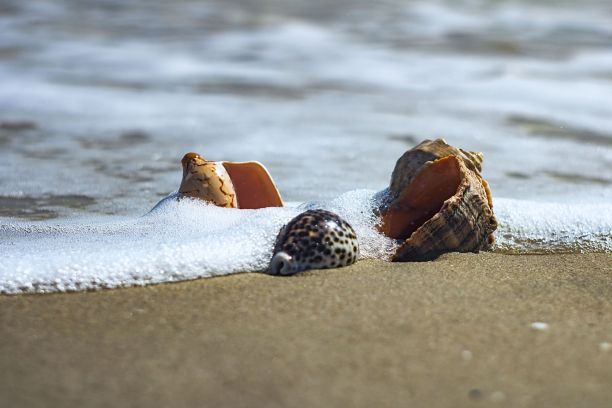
x,y
228,184
315,239
438,202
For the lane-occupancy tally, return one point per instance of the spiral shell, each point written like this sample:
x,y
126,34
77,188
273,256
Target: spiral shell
x,y
438,202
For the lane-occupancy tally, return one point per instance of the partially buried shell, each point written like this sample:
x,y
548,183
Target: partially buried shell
x,y
228,184
315,239
438,202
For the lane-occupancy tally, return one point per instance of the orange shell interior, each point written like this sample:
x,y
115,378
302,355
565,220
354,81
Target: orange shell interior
x,y
422,198
253,185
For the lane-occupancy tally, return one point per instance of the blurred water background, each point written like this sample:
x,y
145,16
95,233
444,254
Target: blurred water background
x,y
99,100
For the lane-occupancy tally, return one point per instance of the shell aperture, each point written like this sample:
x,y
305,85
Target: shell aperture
x,y
315,239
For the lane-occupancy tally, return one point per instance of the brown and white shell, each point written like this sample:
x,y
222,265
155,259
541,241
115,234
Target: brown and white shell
x,y
314,239
438,202
245,185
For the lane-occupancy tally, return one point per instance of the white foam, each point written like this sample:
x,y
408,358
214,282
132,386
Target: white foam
x,y
181,240
175,241
531,227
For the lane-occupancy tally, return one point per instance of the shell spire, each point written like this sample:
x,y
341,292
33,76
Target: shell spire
x,y
207,180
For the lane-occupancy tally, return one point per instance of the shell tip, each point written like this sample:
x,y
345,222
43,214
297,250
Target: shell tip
x,y
190,156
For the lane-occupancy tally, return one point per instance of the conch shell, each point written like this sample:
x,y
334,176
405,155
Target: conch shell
x,y
438,202
227,184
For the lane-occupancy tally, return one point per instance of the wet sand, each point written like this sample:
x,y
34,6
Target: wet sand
x,y
450,333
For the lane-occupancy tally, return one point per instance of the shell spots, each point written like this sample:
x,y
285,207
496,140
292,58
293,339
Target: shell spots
x,y
315,239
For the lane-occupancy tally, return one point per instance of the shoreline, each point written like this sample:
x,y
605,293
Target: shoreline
x,y
464,329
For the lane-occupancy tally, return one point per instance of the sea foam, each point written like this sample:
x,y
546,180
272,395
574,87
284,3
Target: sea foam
x,y
177,240
550,227
187,239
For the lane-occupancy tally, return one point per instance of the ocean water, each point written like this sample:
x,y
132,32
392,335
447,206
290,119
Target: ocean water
x,y
99,100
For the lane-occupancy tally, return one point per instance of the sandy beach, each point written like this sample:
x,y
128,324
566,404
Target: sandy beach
x,y
455,332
